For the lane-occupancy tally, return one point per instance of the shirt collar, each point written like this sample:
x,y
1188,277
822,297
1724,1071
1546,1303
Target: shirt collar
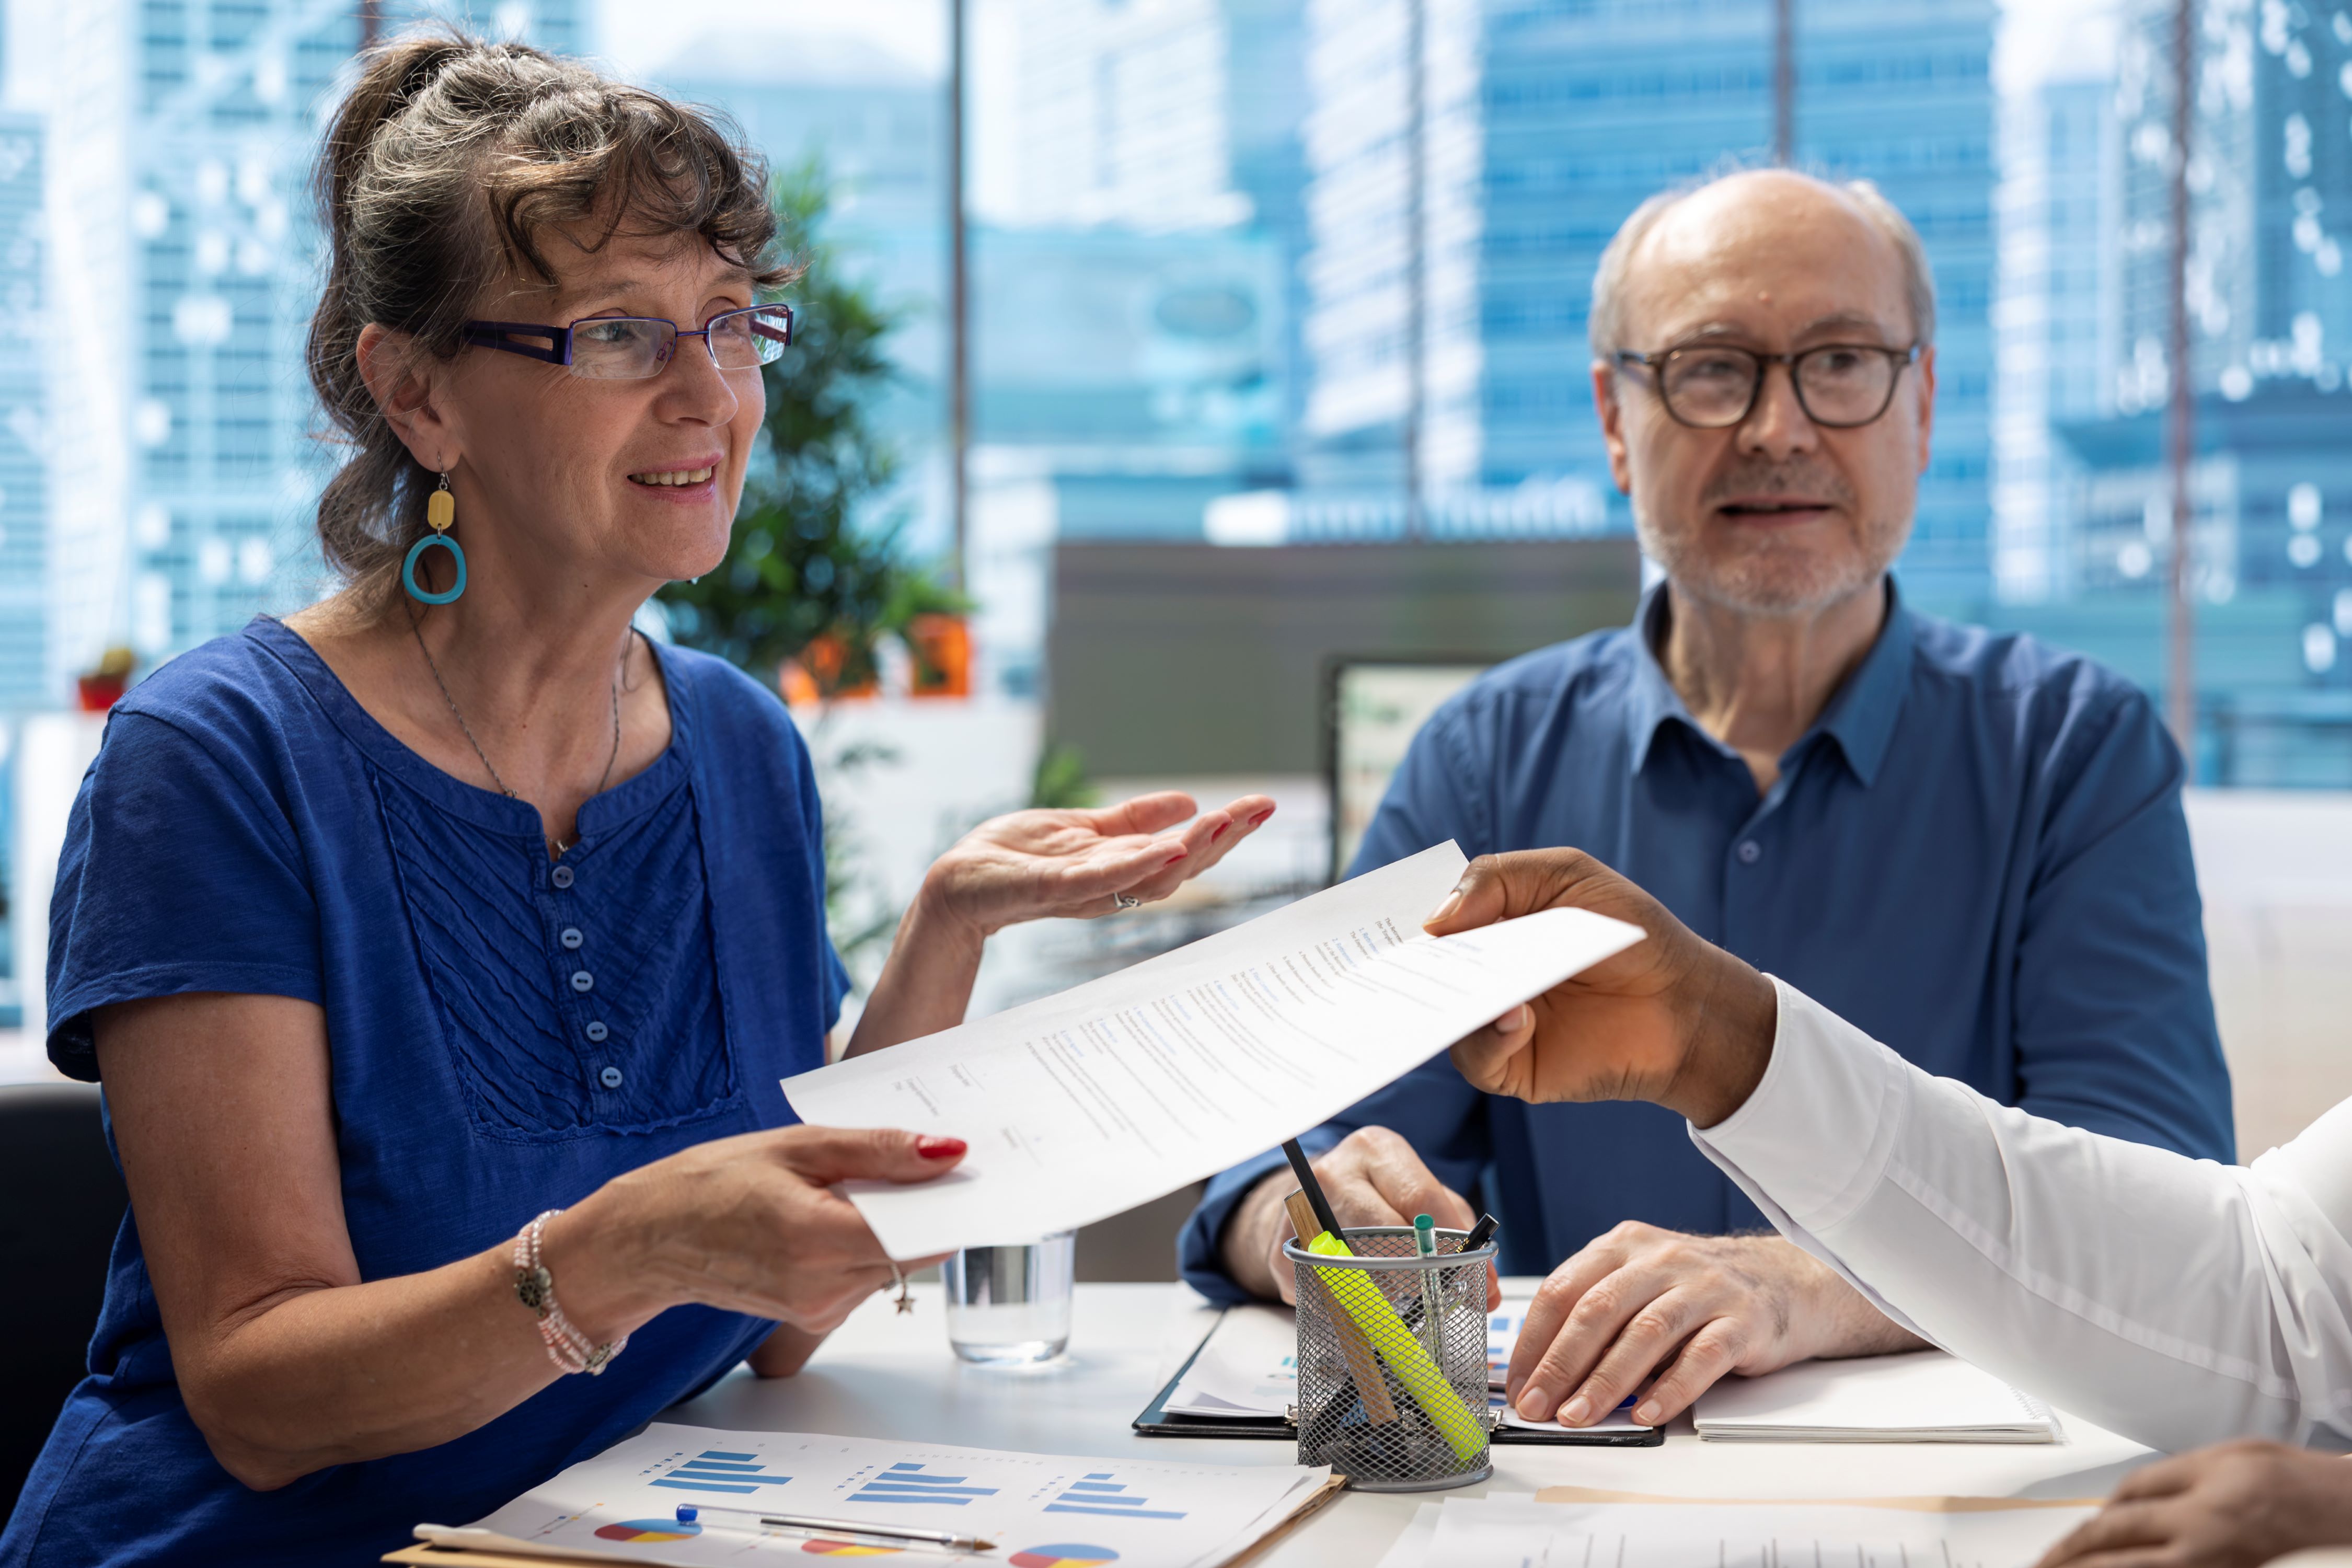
x,y
1860,717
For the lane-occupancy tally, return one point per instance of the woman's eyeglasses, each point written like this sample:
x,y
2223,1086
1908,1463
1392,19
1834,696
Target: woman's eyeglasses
x,y
631,348
1712,386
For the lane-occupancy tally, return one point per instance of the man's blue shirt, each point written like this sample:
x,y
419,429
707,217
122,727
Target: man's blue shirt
x,y
1977,854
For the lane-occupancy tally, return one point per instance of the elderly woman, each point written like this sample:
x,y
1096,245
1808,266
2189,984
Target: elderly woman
x,y
441,948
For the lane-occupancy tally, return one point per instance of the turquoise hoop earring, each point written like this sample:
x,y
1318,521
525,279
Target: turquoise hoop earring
x,y
440,512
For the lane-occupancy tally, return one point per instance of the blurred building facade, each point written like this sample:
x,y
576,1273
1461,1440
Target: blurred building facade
x,y
25,679
2084,546
1548,122
182,135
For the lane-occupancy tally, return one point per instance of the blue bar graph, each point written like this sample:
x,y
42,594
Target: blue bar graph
x,y
717,1470
913,1483
1098,1494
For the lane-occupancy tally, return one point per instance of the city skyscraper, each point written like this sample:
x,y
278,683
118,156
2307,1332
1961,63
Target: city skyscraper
x,y
1548,122
2270,314
2056,322
25,679
182,136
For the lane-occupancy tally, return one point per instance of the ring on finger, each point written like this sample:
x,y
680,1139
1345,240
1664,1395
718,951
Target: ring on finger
x,y
1127,901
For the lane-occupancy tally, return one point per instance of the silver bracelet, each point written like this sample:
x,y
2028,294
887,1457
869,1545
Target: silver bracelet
x,y
567,1347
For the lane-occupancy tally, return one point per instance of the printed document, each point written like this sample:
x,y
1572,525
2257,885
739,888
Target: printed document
x,y
1042,1509
1123,1089
1519,1532
1925,1397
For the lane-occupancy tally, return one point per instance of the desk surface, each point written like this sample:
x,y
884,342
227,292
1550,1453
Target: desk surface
x,y
884,1375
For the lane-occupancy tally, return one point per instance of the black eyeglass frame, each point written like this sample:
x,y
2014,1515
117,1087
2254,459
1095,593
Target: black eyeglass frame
x,y
1652,363
496,335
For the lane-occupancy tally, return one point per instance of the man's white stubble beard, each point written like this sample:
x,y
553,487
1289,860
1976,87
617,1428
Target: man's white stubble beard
x,y
1772,581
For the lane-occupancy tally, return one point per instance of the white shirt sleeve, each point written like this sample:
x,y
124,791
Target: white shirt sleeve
x,y
2176,1302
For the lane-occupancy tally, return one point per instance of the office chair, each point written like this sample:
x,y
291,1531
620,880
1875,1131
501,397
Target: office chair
x,y
61,1202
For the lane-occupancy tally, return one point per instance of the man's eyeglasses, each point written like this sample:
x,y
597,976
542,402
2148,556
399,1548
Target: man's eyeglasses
x,y
630,348
1712,386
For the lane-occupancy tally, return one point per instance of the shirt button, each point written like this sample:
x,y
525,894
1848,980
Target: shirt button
x,y
570,937
561,876
1751,851
583,982
596,1031
610,1077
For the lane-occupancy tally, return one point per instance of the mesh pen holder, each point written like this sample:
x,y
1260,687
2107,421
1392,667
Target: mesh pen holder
x,y
1389,1395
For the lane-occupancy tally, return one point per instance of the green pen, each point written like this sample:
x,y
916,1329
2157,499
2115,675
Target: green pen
x,y
1424,1242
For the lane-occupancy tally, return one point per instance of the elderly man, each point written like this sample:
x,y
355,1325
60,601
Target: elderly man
x,y
1969,844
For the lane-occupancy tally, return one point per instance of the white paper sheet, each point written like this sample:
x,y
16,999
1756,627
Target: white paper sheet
x,y
1248,1366
1036,1507
1926,1396
1411,1548
1123,1089
1520,1532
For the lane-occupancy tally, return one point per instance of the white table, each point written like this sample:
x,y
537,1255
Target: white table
x,y
884,1375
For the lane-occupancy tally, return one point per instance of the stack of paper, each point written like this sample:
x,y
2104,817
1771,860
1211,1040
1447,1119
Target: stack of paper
x,y
1924,1397
622,1506
1565,1527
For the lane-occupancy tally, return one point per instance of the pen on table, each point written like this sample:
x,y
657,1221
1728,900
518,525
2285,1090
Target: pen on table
x,y
687,1513
1424,1243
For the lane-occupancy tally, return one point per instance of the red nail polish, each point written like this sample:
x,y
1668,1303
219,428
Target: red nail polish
x,y
1219,831
931,1147
1179,854
1261,816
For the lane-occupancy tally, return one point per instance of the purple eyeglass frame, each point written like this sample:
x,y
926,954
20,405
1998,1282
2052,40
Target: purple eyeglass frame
x,y
495,334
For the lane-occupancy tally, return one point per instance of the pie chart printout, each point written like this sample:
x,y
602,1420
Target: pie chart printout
x,y
1063,1556
648,1530
848,1548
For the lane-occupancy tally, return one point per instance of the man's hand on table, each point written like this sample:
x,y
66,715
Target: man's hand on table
x,y
1641,1301
2231,1506
1372,1178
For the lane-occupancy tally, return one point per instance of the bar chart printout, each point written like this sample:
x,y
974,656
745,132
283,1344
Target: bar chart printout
x,y
720,1471
1097,1492
1036,1507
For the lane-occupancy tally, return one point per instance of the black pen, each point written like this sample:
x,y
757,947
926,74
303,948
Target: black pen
x,y
1481,1233
1313,1189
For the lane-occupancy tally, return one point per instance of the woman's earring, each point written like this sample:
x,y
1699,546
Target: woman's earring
x,y
440,512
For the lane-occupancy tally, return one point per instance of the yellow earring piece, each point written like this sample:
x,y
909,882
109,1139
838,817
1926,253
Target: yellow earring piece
x,y
441,508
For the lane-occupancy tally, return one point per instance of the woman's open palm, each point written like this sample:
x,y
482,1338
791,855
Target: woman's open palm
x,y
1028,865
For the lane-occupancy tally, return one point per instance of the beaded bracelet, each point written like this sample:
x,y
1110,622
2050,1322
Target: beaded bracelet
x,y
567,1347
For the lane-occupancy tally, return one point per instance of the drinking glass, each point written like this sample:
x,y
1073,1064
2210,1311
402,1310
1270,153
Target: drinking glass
x,y
1010,1306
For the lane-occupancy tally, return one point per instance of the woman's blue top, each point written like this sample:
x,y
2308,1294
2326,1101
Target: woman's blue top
x,y
508,1034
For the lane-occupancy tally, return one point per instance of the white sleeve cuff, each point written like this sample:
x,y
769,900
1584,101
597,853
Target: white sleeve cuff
x,y
1817,1132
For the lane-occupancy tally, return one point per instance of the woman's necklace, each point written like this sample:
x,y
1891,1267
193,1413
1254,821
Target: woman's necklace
x,y
558,845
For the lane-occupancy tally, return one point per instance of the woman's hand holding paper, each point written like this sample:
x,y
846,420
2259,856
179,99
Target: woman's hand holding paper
x,y
749,1224
1672,1020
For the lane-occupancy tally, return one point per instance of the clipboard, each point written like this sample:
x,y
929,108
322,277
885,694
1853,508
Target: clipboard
x,y
1155,1421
